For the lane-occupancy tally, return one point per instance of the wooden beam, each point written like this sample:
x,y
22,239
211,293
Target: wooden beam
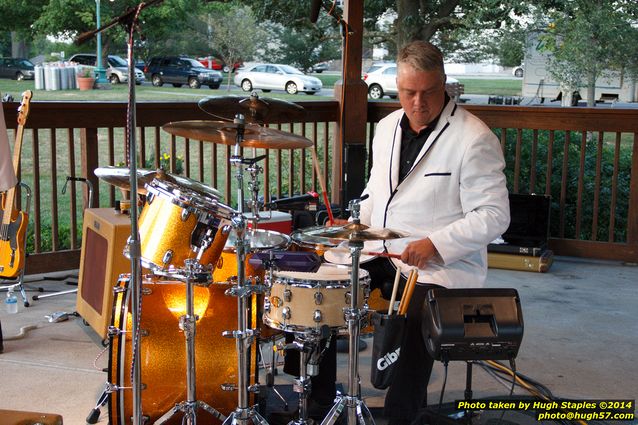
x,y
351,93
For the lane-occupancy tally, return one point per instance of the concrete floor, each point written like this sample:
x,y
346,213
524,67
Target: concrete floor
x,y
580,340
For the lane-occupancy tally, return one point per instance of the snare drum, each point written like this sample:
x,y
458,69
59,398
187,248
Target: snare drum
x,y
174,222
304,302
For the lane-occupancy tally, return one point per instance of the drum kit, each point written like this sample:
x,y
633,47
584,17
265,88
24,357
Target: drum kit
x,y
197,252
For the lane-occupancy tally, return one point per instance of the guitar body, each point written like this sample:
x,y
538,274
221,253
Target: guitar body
x,y
12,244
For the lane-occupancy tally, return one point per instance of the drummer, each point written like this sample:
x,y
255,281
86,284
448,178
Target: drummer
x,y
437,174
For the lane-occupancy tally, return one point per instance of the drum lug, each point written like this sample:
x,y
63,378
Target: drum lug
x,y
146,291
253,389
185,214
287,295
229,387
267,305
276,301
317,316
149,197
168,256
114,331
348,296
318,298
286,313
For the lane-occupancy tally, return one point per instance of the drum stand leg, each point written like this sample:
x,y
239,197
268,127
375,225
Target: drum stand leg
x,y
357,410
188,324
303,385
272,371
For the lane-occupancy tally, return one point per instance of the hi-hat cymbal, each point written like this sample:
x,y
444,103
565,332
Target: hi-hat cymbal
x,y
225,133
119,176
354,232
255,109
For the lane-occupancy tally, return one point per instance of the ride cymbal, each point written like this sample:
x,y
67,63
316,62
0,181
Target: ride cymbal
x,y
255,109
354,232
225,133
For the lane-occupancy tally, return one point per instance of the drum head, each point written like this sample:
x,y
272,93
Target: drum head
x,y
259,240
339,255
188,193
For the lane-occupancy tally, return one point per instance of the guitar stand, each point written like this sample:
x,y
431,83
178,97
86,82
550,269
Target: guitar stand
x,y
20,280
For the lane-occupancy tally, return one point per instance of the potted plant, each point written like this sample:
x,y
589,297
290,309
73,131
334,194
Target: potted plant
x,y
85,78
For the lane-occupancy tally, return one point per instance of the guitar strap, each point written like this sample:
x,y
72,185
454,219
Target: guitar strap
x,y
7,175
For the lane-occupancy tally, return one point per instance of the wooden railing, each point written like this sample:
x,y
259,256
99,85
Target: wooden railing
x,y
594,189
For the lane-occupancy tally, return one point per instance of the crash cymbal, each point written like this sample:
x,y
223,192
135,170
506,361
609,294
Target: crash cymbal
x,y
354,232
255,109
119,176
225,133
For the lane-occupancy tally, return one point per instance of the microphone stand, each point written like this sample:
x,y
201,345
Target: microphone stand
x,y
129,20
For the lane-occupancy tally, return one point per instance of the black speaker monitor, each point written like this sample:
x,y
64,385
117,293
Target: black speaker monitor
x,y
472,324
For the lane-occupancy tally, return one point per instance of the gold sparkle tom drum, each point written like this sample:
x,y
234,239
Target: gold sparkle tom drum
x,y
174,224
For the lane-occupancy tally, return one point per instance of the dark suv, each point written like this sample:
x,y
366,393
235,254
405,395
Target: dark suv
x,y
181,70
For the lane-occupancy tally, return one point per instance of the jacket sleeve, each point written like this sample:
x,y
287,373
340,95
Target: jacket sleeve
x,y
484,201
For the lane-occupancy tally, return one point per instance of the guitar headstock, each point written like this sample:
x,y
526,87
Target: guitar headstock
x,y
23,109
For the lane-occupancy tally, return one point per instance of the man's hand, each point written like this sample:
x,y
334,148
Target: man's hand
x,y
418,253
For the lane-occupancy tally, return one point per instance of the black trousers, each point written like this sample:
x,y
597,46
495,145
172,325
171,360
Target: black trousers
x,y
408,391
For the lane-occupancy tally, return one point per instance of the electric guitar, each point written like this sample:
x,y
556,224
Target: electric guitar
x,y
14,222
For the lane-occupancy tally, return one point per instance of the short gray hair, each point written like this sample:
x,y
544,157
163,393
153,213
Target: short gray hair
x,y
423,56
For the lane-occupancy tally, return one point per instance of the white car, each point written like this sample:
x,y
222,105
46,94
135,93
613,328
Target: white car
x,y
267,77
382,80
117,70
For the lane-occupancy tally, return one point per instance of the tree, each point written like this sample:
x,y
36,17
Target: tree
x,y
17,18
584,42
234,32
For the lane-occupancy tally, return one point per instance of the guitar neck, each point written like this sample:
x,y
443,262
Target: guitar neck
x,y
17,149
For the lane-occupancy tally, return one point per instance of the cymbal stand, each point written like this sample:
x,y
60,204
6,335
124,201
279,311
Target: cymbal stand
x,y
243,336
188,324
356,407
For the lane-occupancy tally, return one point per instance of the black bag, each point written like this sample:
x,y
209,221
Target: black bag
x,y
386,346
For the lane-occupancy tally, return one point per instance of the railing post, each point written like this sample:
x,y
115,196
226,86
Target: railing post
x,y
89,156
632,218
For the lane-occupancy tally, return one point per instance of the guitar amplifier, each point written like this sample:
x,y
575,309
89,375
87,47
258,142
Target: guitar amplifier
x,y
472,324
104,236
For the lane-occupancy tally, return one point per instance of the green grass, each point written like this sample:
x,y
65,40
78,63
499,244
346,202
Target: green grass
x,y
168,93
501,86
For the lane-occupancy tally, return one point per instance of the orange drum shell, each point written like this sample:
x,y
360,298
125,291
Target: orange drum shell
x,y
163,353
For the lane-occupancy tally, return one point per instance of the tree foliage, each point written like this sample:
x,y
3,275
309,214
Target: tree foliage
x,y
589,38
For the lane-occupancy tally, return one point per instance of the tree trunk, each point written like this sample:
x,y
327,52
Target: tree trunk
x,y
591,90
407,22
18,46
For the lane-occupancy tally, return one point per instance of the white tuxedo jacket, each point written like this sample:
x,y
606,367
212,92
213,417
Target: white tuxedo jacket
x,y
455,194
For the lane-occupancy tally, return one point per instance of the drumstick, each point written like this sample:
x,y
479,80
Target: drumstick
x,y
409,290
322,183
395,288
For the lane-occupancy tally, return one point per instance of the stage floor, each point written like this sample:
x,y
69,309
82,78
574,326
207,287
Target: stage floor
x,y
580,340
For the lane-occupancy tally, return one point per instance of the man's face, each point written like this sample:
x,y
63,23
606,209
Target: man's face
x,y
421,94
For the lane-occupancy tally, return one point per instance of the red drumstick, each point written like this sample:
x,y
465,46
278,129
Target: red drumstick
x,y
322,183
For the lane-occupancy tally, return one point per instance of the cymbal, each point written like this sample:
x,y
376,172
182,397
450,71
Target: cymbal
x,y
255,136
354,232
119,176
255,109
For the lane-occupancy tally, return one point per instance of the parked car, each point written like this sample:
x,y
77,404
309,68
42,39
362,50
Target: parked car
x,y
178,70
116,68
16,68
320,67
269,76
217,64
382,80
